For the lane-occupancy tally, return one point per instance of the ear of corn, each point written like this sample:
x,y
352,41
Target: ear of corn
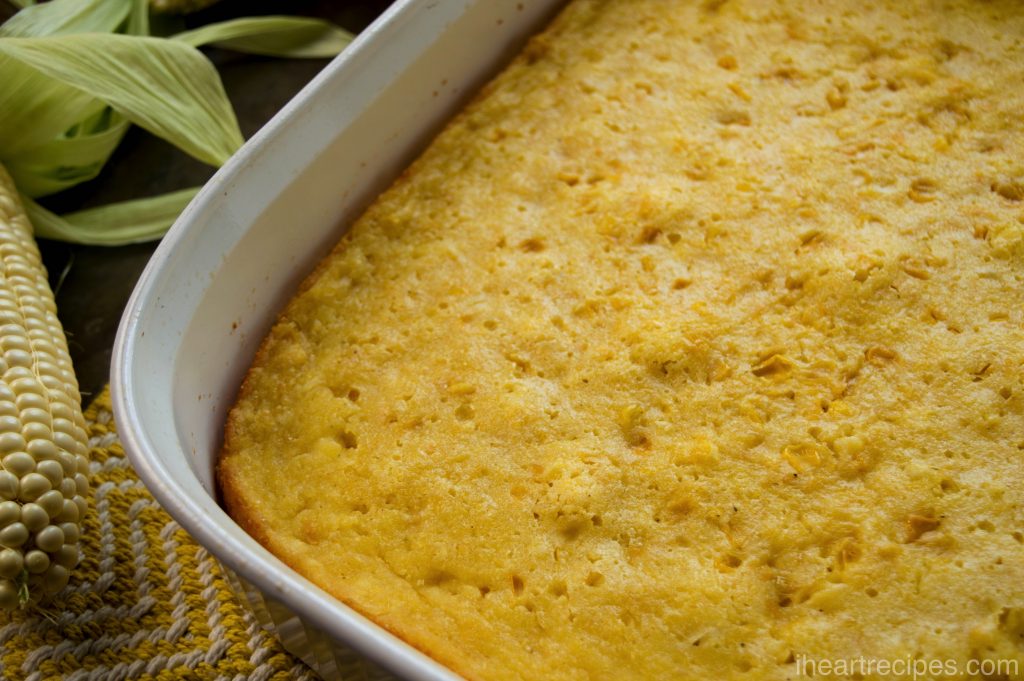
x,y
43,463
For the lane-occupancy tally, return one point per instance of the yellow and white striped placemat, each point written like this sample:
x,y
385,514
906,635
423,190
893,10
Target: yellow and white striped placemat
x,y
147,602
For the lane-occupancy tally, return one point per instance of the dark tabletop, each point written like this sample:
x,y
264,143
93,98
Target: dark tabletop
x,y
91,283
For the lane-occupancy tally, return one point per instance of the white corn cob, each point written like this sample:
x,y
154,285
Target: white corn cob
x,y
43,464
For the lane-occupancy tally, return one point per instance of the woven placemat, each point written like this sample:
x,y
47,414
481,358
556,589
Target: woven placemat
x,y
147,602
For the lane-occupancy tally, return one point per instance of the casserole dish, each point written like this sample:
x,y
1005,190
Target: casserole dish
x,y
237,253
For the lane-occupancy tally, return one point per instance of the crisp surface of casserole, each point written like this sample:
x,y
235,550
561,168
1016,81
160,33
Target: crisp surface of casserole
x,y
693,348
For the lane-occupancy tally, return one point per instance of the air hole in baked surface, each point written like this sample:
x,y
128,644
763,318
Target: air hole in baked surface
x,y
1009,190
648,235
733,117
532,245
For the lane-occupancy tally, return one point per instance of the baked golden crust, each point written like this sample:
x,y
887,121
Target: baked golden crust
x,y
692,348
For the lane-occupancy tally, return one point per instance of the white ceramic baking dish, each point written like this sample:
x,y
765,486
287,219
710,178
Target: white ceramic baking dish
x,y
215,284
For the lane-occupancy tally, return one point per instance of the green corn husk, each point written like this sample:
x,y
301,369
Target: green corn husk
x,y
179,6
78,73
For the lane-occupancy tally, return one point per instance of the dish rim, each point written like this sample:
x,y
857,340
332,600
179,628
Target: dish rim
x,y
226,540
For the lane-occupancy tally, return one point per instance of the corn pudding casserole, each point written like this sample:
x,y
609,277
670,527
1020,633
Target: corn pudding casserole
x,y
693,348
